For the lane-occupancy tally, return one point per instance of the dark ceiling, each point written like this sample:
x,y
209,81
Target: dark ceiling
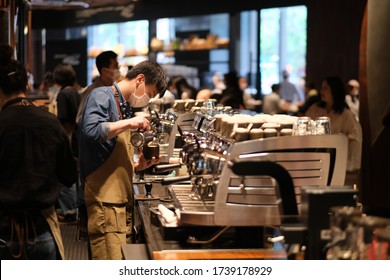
x,y
72,13
77,4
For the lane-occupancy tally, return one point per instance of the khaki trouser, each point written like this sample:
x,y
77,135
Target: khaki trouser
x,y
107,230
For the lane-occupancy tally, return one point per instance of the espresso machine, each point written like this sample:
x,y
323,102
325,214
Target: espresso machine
x,y
191,119
244,187
254,184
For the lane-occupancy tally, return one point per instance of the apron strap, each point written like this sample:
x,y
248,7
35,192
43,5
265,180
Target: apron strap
x,y
123,107
116,95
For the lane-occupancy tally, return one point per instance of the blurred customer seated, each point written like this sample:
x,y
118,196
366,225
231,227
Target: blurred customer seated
x,y
272,103
232,95
250,103
333,105
352,97
312,97
219,86
203,94
183,90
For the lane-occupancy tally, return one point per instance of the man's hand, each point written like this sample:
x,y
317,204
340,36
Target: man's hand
x,y
139,122
143,163
118,127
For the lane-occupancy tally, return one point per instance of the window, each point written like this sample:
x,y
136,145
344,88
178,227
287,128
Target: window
x,y
129,40
205,59
282,45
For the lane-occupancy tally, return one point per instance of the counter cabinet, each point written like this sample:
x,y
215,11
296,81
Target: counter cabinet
x,y
170,243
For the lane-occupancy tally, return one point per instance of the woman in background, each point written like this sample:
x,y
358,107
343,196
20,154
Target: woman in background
x,y
342,120
183,89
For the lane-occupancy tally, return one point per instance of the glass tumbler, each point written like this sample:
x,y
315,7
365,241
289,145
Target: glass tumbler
x,y
303,126
322,126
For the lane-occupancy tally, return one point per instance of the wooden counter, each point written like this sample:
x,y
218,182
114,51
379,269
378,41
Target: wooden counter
x,y
160,248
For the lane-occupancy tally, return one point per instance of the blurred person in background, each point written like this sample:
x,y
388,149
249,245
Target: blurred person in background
x,y
108,68
68,98
68,101
161,104
47,85
272,103
183,89
250,103
352,97
218,86
342,120
288,90
232,95
203,94
35,155
311,97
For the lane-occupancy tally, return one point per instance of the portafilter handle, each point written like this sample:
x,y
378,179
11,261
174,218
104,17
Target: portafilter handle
x,y
165,167
172,180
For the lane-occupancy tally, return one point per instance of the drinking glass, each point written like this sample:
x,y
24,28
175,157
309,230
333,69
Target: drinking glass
x,y
322,126
303,126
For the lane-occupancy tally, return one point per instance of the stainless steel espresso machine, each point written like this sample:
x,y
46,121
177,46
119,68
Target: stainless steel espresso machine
x,y
245,186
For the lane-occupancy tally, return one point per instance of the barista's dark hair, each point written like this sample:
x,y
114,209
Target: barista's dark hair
x,y
154,75
13,75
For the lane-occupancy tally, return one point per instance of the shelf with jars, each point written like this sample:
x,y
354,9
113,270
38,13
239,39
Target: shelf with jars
x,y
144,51
192,43
197,49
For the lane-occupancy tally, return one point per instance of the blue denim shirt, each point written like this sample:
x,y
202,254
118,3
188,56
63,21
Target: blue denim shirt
x,y
100,109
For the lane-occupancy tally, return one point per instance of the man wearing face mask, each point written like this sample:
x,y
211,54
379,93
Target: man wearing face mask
x,y
106,155
108,68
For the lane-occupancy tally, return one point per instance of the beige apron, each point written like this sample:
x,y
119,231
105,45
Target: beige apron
x,y
107,192
51,218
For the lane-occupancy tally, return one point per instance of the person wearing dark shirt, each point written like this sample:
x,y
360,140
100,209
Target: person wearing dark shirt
x,y
183,89
232,95
68,98
68,101
35,155
312,97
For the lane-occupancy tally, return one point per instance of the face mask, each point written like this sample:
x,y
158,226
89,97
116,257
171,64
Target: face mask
x,y
139,101
117,75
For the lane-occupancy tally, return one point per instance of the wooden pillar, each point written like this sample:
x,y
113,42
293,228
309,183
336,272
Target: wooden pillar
x,y
374,103
4,22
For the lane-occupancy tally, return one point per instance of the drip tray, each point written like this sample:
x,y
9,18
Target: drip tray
x,y
179,232
192,212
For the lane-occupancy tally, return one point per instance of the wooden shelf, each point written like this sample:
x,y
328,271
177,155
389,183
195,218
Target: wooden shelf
x,y
191,50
